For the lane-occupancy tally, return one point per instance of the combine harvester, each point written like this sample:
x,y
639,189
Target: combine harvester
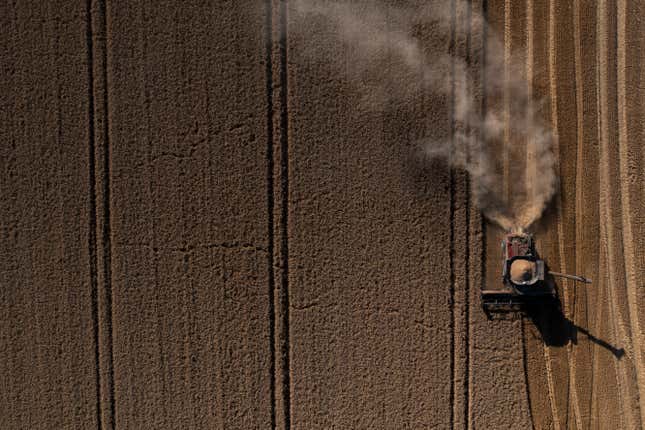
x,y
524,278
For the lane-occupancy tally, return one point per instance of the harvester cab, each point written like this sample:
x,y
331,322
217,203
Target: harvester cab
x,y
524,277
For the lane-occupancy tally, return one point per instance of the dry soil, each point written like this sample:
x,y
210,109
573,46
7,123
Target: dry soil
x,y
202,226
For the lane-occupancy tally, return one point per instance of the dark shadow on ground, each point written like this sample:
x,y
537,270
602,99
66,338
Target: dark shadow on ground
x,y
557,330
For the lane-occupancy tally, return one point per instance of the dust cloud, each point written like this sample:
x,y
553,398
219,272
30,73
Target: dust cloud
x,y
507,150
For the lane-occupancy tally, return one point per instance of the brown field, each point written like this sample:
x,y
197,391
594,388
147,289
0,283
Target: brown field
x,y
203,225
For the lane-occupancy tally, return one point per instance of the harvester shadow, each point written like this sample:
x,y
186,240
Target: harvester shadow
x,y
557,330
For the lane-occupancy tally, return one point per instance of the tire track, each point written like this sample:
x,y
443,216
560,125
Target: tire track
x,y
283,95
625,180
526,375
612,317
476,236
587,196
552,398
460,46
593,407
506,167
270,206
453,314
97,11
607,142
579,196
558,215
568,287
92,217
610,234
530,75
466,379
600,85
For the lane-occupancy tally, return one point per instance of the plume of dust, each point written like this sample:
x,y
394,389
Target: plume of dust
x,y
506,150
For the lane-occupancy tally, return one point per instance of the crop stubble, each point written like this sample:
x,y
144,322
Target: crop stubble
x,y
309,272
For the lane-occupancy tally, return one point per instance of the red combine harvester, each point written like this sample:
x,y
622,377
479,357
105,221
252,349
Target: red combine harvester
x,y
524,277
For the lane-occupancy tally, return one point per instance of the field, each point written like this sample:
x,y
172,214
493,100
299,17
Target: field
x,y
210,219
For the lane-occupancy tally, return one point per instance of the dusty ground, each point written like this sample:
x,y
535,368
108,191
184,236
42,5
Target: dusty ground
x,y
203,226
